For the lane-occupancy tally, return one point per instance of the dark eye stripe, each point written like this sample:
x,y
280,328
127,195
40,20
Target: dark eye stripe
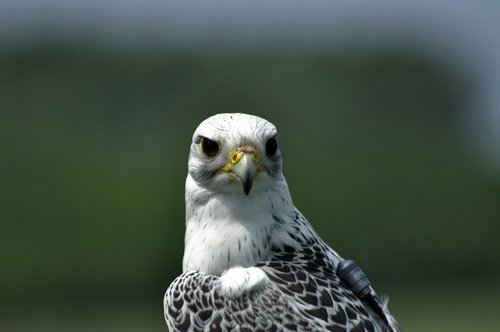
x,y
209,147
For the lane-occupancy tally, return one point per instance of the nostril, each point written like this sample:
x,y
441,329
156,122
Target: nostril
x,y
234,157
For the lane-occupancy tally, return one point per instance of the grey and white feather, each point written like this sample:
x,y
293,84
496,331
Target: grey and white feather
x,y
252,262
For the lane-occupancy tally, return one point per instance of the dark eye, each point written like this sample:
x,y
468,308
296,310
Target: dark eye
x,y
271,146
209,147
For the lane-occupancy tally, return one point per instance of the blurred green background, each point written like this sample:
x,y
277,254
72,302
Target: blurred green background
x,y
94,146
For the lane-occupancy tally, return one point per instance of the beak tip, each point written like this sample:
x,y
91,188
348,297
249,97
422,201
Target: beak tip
x,y
247,186
246,189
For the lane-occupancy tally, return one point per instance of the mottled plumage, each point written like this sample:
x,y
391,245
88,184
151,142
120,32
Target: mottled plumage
x,y
252,262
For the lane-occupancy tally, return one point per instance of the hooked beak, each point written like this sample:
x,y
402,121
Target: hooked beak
x,y
244,165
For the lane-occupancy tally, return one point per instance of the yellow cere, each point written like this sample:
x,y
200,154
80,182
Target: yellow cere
x,y
236,155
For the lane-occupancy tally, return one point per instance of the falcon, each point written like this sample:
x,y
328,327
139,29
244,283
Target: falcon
x,y
252,262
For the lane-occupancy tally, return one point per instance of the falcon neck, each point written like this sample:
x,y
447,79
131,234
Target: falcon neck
x,y
225,230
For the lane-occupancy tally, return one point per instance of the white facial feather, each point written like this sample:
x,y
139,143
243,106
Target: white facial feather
x,y
235,127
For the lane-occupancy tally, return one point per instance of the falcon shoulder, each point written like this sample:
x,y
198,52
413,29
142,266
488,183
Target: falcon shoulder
x,y
303,294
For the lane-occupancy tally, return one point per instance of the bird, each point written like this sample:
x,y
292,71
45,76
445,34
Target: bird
x,y
252,261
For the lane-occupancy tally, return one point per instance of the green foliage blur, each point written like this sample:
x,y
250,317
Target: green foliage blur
x,y
94,147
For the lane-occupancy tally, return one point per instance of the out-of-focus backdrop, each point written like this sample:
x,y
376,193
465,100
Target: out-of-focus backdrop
x,y
389,122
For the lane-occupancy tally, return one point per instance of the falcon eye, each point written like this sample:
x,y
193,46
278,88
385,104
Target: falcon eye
x,y
271,146
209,147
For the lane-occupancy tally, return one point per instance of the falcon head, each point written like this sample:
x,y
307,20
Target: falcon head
x,y
235,153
